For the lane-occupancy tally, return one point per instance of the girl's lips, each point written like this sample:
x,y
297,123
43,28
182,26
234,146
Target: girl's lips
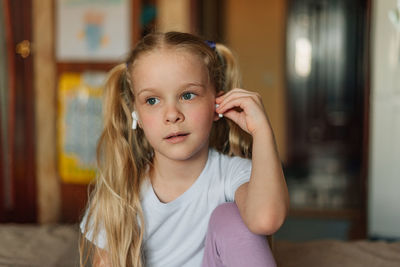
x,y
176,137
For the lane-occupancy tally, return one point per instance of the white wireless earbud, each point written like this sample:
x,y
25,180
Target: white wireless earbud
x,y
219,114
134,120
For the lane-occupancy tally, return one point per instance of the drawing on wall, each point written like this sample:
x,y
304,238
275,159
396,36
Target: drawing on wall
x,y
89,30
79,123
93,34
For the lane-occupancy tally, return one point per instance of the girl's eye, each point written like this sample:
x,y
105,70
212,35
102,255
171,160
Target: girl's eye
x,y
152,101
188,96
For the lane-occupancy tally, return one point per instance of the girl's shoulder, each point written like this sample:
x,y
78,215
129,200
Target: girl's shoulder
x,y
228,162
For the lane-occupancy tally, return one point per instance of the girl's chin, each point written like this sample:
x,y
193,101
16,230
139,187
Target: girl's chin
x,y
181,153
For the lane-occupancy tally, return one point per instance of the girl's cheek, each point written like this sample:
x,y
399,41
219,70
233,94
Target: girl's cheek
x,y
202,114
148,119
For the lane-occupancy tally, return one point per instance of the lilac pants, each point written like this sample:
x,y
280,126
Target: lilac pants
x,y
229,243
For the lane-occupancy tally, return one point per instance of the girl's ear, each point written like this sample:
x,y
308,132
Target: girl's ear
x,y
138,121
135,120
217,116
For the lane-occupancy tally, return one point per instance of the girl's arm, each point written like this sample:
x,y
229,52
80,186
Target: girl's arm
x,y
263,202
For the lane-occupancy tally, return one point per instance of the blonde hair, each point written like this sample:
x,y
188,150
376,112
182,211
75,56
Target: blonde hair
x,y
123,155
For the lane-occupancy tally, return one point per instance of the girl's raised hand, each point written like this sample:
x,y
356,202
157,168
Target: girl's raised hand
x,y
245,108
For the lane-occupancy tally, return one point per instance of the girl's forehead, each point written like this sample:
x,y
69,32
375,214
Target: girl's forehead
x,y
168,52
168,56
158,67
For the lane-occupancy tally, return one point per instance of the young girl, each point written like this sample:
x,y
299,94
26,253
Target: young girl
x,y
177,132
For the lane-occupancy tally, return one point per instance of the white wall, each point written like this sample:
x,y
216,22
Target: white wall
x,y
384,174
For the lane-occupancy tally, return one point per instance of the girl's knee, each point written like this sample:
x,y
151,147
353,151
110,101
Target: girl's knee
x,y
232,242
226,218
225,209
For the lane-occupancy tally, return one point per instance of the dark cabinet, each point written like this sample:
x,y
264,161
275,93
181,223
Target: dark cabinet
x,y
327,89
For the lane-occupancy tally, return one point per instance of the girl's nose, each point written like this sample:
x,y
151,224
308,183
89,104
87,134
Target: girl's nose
x,y
173,115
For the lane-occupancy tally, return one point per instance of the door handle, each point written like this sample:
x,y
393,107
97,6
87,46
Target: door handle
x,y
23,48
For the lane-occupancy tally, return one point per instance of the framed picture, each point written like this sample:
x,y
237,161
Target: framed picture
x,y
93,31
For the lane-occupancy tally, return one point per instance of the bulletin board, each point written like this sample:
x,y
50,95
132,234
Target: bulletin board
x,y
79,124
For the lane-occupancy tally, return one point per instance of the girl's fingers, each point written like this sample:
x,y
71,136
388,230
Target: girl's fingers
x,y
239,111
219,99
241,102
236,92
243,107
228,103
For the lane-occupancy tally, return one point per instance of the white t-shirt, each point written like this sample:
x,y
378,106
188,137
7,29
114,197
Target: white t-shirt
x,y
175,231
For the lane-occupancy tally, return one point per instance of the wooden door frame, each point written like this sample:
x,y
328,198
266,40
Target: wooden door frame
x,y
22,206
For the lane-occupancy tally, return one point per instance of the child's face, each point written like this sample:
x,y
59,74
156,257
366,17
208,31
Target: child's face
x,y
175,103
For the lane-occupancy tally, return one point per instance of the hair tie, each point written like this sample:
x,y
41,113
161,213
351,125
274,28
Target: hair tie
x,y
211,44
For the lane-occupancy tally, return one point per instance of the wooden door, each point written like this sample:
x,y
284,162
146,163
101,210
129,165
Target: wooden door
x,y
17,161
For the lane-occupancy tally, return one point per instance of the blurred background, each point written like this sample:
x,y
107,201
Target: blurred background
x,y
328,72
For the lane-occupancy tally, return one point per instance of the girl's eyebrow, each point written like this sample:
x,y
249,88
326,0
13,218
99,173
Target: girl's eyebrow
x,y
145,90
193,84
183,86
